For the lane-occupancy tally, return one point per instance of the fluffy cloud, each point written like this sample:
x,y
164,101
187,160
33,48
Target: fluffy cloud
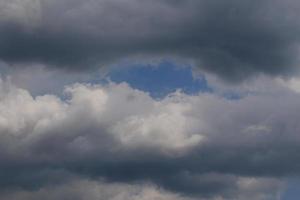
x,y
203,146
100,110
233,39
111,141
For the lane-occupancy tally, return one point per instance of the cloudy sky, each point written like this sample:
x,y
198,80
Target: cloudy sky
x,y
149,99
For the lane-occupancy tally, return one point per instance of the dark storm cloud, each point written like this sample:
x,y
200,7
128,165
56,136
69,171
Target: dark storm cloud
x,y
231,38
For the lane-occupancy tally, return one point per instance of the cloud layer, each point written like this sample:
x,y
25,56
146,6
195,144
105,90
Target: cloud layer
x,y
78,189
111,141
195,146
233,39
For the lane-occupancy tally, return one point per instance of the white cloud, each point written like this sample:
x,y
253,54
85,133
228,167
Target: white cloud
x,y
292,84
116,122
131,119
131,116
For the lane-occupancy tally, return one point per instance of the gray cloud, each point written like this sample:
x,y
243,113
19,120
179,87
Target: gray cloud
x,y
80,188
200,146
233,39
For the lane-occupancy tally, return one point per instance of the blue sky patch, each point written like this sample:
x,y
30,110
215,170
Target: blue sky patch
x,y
161,79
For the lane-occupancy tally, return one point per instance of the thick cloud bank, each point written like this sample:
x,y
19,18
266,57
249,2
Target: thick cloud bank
x,y
79,189
232,38
118,140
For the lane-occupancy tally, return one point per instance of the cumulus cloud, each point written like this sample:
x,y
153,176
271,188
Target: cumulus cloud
x,y
100,110
232,39
111,141
196,146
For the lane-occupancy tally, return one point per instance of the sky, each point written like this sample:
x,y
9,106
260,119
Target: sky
x,y
144,100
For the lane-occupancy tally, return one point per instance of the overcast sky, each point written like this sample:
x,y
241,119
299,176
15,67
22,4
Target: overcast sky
x,y
149,100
